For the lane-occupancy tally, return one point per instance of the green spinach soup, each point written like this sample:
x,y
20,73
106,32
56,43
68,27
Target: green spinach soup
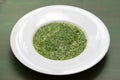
x,y
59,41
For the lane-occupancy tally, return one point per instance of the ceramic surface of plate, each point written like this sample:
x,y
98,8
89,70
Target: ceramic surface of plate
x,y
97,36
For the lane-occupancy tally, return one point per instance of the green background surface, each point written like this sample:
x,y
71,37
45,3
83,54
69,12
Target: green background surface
x,y
107,10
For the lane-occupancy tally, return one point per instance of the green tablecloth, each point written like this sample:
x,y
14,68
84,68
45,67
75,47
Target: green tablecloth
x,y
106,10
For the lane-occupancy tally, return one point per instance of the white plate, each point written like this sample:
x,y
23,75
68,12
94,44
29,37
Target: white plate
x,y
97,35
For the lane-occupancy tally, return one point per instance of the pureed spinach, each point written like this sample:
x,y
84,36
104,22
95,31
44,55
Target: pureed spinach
x,y
59,41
